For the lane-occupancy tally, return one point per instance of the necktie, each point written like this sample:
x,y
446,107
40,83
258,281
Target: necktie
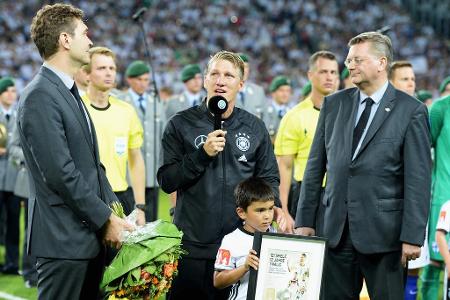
x,y
281,112
74,91
7,117
362,123
195,102
141,103
76,95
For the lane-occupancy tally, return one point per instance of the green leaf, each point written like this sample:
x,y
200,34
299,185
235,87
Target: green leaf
x,y
158,239
150,268
136,274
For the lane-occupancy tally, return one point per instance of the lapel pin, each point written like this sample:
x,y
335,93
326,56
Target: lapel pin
x,y
387,109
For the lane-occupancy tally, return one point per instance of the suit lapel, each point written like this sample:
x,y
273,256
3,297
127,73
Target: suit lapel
x,y
387,103
68,97
354,96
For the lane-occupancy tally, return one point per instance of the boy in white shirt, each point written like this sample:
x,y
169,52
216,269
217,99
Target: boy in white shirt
x,y
255,201
442,229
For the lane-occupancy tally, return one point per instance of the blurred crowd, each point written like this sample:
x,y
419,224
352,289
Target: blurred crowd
x,y
277,35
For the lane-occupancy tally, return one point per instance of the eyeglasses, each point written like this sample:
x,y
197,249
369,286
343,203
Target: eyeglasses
x,y
357,60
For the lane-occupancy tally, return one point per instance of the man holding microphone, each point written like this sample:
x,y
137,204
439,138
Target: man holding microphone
x,y
206,167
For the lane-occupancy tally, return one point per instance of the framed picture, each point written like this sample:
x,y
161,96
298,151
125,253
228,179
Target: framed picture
x,y
290,267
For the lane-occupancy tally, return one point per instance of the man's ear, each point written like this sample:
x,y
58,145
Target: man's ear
x,y
241,213
64,40
383,63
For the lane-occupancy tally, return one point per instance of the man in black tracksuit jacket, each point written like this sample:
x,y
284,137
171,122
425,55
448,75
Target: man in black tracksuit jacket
x,y
204,167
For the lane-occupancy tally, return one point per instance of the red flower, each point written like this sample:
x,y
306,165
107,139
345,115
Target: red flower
x,y
168,270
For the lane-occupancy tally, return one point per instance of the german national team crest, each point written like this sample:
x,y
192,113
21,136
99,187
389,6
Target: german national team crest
x,y
242,141
200,140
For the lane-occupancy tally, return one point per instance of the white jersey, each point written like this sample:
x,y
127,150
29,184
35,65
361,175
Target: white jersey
x,y
231,255
444,218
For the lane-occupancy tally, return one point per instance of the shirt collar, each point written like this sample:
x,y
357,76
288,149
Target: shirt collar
x,y
279,107
191,97
7,111
65,78
135,96
377,96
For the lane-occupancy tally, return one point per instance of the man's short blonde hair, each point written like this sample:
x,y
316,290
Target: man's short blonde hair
x,y
100,51
381,44
398,65
232,57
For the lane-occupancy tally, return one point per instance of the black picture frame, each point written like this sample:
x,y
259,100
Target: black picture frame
x,y
279,270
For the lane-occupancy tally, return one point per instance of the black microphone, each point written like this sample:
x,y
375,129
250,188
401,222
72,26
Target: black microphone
x,y
217,105
139,13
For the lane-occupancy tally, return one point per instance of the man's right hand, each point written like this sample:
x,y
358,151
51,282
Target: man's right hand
x,y
215,142
305,231
113,231
290,223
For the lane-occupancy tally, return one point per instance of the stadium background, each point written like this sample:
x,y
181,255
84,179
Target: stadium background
x,y
278,36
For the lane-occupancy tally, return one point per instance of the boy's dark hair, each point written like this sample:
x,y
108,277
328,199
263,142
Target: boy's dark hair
x,y
252,189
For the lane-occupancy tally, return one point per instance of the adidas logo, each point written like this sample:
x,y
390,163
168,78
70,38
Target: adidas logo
x,y
242,158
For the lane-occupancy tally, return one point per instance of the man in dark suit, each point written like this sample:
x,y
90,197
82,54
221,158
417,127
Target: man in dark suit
x,y
69,212
373,142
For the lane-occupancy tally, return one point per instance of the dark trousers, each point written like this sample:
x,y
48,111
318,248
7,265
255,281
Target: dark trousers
x,y
126,198
151,201
294,195
346,268
195,281
11,205
69,279
293,199
29,271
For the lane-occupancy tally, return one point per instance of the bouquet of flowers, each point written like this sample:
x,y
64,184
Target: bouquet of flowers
x,y
146,264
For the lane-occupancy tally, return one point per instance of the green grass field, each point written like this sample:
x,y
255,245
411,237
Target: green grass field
x,y
14,285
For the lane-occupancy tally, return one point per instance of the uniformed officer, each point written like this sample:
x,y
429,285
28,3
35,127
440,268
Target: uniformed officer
x,y
281,92
8,174
153,118
251,97
193,94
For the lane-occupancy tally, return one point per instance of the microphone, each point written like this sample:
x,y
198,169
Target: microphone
x,y
139,13
384,30
217,105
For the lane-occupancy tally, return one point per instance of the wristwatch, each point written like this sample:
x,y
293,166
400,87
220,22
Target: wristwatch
x,y
141,206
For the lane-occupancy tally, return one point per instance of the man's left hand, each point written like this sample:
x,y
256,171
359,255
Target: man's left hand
x,y
409,252
140,217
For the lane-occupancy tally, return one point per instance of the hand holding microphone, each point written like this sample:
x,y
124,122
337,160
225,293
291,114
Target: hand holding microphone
x,y
215,142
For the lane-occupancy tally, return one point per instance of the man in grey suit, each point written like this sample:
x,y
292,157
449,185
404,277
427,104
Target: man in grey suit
x,y
22,190
191,75
8,173
281,92
69,212
153,118
373,142
251,97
